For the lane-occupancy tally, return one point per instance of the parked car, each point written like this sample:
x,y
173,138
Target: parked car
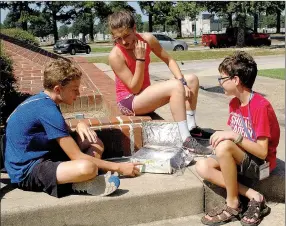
x,y
71,46
230,37
171,44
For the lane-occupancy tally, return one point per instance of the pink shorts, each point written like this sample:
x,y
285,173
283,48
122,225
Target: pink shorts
x,y
126,105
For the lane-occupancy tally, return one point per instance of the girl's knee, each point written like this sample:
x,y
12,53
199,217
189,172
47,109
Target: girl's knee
x,y
192,79
177,85
87,168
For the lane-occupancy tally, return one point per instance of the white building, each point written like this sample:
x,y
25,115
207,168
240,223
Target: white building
x,y
205,23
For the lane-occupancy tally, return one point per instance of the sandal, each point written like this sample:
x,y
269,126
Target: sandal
x,y
219,217
256,211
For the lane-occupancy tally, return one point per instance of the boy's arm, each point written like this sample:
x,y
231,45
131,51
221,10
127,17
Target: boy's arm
x,y
258,148
72,150
163,55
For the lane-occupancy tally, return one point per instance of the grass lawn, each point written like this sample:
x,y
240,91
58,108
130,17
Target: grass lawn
x,y
201,54
278,73
104,49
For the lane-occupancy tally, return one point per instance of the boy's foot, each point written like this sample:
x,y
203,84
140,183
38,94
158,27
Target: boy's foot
x,y
200,134
102,185
194,147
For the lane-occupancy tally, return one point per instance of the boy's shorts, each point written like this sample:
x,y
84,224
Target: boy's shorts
x,y
43,178
248,168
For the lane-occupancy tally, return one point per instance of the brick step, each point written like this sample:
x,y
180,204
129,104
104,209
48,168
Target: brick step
x,y
148,198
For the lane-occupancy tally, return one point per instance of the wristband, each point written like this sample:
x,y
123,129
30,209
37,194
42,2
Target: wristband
x,y
143,60
183,80
239,139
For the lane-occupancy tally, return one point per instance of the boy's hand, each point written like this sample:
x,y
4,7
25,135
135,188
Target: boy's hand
x,y
219,136
129,169
84,131
140,49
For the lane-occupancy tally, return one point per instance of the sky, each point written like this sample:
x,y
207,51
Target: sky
x,y
134,4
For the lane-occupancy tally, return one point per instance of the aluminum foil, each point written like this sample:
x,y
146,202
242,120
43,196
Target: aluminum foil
x,y
161,133
162,143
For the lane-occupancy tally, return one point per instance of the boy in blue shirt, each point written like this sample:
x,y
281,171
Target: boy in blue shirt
x,y
41,154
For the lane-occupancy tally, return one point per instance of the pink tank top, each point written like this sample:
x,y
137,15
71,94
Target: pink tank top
x,y
122,91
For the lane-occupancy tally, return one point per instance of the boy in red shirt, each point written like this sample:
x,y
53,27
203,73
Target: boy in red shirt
x,y
252,140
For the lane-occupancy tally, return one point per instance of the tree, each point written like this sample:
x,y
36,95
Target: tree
x,y
58,11
255,9
41,25
117,6
147,8
181,10
145,26
139,23
63,30
276,8
163,10
222,9
21,13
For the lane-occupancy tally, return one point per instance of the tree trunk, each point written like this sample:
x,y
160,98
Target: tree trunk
x,y
91,27
240,42
55,28
179,28
22,10
278,20
150,22
229,17
255,22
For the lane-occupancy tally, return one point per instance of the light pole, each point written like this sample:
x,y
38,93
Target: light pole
x,y
195,35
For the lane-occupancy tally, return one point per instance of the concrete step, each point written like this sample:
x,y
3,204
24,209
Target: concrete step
x,y
277,217
148,198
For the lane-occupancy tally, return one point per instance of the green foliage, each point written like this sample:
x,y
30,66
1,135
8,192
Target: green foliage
x,y
41,25
139,23
81,25
9,97
63,30
21,35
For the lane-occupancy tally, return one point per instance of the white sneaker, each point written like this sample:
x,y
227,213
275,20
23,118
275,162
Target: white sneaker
x,y
102,185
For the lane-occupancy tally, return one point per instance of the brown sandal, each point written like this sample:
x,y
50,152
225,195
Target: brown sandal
x,y
257,211
219,217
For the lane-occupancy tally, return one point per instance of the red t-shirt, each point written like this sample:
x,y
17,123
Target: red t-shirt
x,y
264,122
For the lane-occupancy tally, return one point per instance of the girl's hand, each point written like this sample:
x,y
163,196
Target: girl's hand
x,y
140,49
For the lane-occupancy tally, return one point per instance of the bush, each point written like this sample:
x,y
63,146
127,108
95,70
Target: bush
x,y
10,98
21,35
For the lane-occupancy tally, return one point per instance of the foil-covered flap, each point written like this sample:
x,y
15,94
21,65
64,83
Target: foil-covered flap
x,y
161,133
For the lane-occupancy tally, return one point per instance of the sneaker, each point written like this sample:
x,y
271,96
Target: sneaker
x,y
199,133
102,185
194,147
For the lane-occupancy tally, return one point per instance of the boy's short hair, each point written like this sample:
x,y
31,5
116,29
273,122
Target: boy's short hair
x,y
60,72
121,19
240,64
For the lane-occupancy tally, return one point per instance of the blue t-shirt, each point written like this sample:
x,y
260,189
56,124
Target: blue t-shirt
x,y
31,130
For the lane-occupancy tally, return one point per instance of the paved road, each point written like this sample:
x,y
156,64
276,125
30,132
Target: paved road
x,y
161,70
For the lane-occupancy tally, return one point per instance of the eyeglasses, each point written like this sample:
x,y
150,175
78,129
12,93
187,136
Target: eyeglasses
x,y
221,79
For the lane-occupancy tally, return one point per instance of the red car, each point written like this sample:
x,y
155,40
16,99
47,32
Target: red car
x,y
229,38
